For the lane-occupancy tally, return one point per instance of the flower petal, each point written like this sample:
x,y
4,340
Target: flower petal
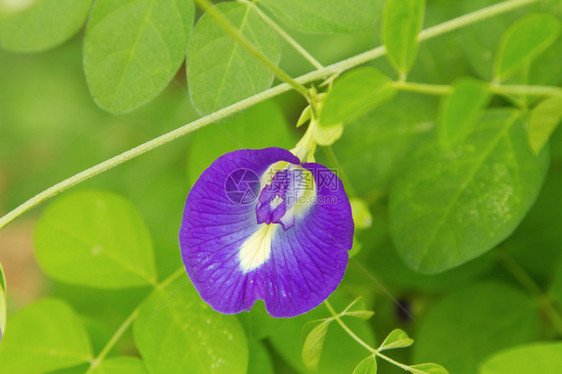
x,y
308,261
233,261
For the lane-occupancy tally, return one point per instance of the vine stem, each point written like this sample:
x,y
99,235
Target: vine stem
x,y
299,48
337,318
207,6
114,339
470,18
504,90
525,90
318,74
425,88
521,275
127,323
350,332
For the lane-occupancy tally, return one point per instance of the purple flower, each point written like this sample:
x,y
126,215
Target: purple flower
x,y
258,224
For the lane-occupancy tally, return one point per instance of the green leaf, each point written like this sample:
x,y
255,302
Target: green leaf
x,y
430,368
461,110
480,39
326,16
305,116
119,365
358,309
313,344
42,337
378,144
128,71
523,42
220,71
95,239
351,96
396,339
449,207
367,366
544,119
355,94
238,133
541,357
3,303
177,332
483,319
37,25
402,23
361,314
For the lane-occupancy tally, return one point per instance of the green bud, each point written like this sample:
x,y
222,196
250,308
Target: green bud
x,y
361,214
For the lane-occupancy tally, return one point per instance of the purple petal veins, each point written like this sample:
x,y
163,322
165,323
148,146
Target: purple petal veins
x,y
258,224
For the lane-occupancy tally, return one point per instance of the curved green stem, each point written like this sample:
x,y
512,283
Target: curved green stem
x,y
236,34
350,332
323,73
521,275
114,339
374,351
127,323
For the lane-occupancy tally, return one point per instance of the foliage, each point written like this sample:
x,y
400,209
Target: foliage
x,y
450,206
51,333
525,359
218,342
101,238
443,130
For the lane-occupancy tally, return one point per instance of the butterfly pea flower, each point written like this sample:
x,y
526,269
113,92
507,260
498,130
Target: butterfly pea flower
x,y
259,224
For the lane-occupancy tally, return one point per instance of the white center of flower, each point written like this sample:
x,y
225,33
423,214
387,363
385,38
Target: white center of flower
x,y
257,248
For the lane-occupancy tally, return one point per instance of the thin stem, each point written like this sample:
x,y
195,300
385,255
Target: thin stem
x,y
504,90
299,48
400,365
431,89
319,74
207,6
350,332
172,277
551,313
473,17
521,275
127,323
347,329
525,90
114,339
